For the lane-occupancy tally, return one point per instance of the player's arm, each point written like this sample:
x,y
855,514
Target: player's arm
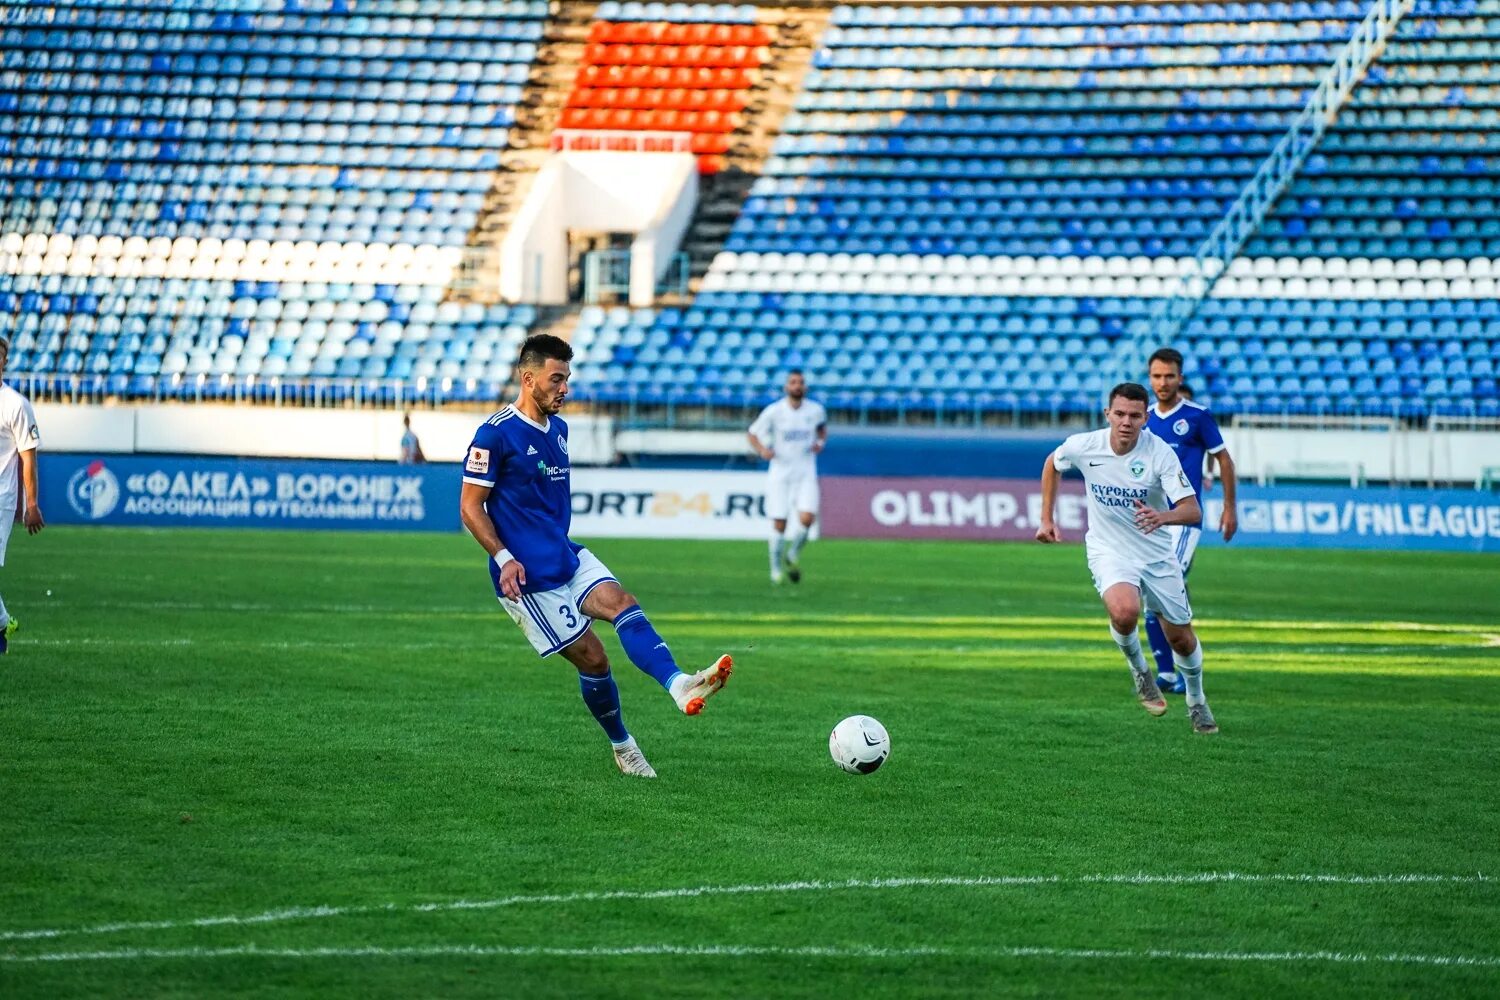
x,y
760,430
760,449
1213,443
481,472
31,512
1047,530
1149,519
821,440
24,431
1229,521
476,518
1174,483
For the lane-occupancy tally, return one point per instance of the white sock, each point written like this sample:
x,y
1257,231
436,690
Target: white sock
x,y
777,541
1130,645
799,539
1191,669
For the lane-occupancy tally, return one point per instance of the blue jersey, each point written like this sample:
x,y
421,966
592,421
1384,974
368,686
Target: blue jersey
x,y
1190,429
531,500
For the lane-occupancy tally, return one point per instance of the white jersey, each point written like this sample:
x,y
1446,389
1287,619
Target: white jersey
x,y
790,432
18,433
1149,473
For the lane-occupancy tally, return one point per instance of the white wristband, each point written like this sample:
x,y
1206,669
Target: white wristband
x,y
502,557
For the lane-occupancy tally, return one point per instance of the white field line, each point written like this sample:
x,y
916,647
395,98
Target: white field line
x,y
287,609
754,951
1301,655
1085,621
238,642
813,618
980,881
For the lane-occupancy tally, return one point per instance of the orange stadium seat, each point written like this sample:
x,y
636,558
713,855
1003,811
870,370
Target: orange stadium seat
x,y
669,33
704,144
661,76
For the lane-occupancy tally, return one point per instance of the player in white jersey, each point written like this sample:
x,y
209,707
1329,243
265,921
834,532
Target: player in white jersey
x,y
1131,475
19,439
789,434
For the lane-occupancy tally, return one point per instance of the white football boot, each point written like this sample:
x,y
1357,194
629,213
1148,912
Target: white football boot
x,y
632,762
690,691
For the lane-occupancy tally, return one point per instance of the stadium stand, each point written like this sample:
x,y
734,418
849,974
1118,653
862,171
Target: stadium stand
x,y
167,173
1013,185
1401,196
965,212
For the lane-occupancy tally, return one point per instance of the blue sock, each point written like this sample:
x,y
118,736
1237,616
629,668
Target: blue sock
x,y
603,699
1160,648
644,646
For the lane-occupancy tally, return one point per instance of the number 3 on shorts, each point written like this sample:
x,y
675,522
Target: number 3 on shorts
x,y
567,612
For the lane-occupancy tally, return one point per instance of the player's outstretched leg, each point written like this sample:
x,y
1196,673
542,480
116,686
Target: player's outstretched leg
x,y
1161,651
1123,602
602,696
649,651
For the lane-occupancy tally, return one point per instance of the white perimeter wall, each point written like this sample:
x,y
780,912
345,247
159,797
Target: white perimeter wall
x,y
1416,456
1409,456
289,432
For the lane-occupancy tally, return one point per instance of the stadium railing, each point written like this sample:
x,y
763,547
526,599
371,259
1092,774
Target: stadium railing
x,y
593,140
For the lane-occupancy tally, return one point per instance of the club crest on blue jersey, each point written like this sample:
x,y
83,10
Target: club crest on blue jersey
x,y
562,443
1180,427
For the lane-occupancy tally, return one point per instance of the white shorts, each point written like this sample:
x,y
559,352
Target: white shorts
x,y
7,522
550,618
792,492
1162,587
1184,543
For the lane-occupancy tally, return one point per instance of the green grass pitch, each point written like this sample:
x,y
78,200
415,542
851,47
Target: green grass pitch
x,y
326,765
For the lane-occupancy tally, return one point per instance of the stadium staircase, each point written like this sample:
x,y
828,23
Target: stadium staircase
x,y
794,34
612,67
553,75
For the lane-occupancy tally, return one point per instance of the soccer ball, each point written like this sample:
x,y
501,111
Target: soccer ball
x,y
859,744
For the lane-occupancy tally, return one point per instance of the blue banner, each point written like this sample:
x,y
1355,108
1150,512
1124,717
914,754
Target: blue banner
x,y
188,491
1318,517
363,496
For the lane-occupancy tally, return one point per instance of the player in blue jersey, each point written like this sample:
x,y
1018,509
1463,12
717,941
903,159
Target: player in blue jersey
x,y
1190,429
517,503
